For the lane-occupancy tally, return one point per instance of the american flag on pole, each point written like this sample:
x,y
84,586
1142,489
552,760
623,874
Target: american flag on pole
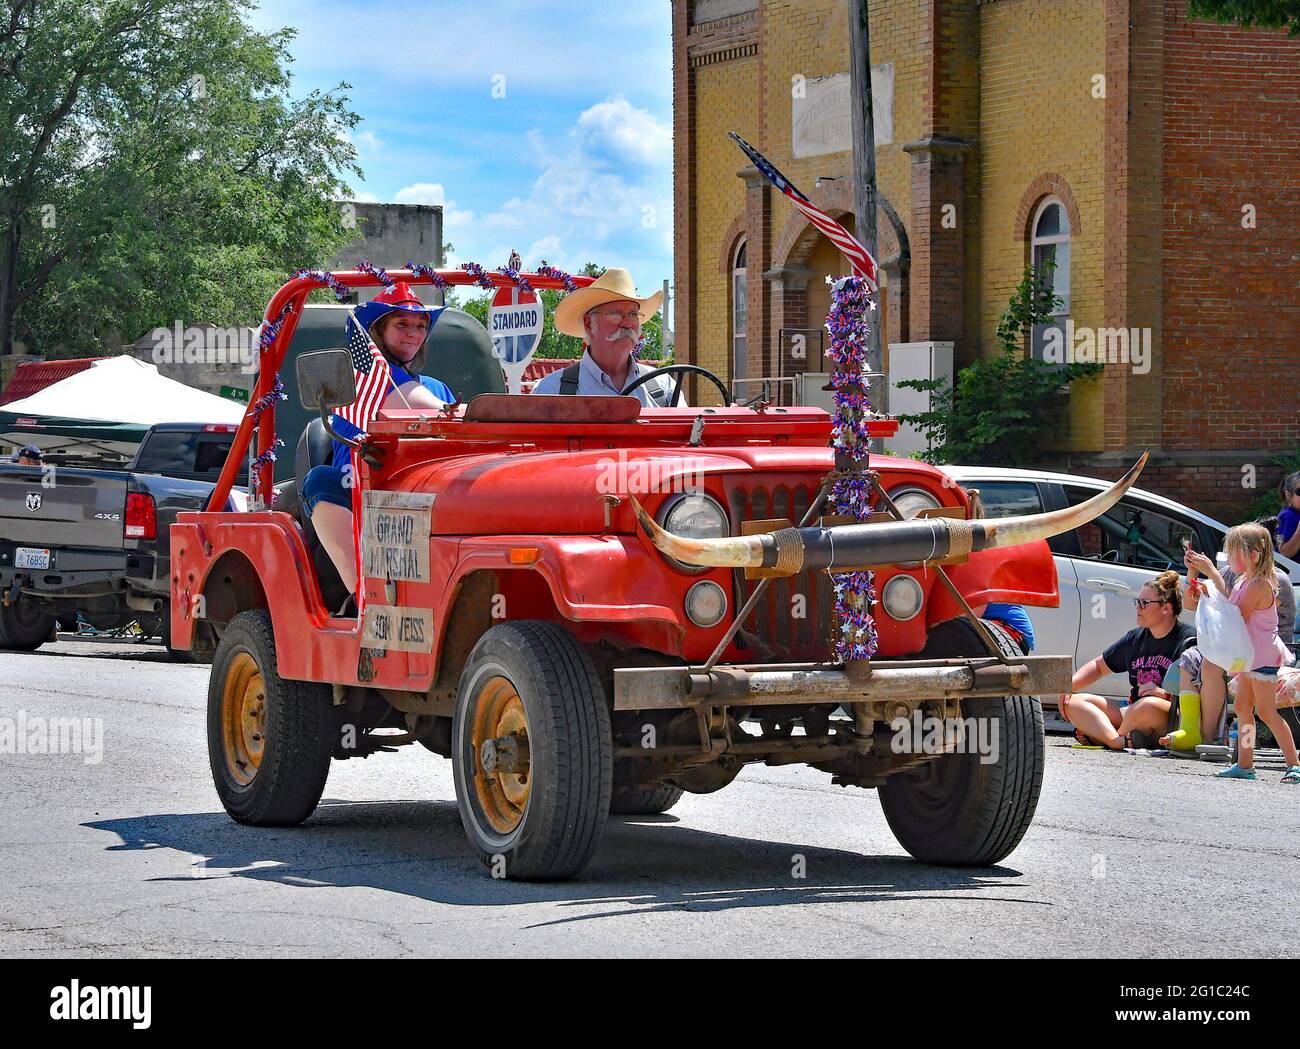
x,y
371,374
861,261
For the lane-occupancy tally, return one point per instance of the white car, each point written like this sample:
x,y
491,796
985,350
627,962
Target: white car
x,y
1100,567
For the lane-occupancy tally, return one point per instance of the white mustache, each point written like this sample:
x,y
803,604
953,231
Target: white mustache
x,y
622,333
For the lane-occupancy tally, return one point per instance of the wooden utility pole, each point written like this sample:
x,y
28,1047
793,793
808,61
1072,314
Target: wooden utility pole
x,y
864,149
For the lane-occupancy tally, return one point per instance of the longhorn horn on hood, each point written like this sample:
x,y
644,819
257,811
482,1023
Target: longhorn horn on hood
x,y
847,547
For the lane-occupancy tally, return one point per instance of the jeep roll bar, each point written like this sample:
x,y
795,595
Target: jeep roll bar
x,y
294,295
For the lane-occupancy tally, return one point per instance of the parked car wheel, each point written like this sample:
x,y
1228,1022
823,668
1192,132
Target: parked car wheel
x,y
532,752
269,740
25,626
956,810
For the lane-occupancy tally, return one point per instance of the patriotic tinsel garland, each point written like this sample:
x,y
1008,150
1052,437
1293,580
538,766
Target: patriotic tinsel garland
x,y
265,339
847,324
435,278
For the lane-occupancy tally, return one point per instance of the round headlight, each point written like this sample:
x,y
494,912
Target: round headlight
x,y
911,501
695,517
706,603
902,598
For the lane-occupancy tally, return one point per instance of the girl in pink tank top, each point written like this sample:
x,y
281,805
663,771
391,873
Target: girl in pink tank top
x,y
1261,625
1250,554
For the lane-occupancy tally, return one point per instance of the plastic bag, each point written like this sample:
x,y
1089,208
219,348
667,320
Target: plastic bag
x,y
1221,632
1288,687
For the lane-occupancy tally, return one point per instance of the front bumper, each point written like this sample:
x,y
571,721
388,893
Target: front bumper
x,y
887,682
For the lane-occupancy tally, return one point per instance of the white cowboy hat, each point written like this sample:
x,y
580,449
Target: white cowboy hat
x,y
614,285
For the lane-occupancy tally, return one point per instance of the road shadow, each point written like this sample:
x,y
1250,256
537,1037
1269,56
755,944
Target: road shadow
x,y
643,864
141,652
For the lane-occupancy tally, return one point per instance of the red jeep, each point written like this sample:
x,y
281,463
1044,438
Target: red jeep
x,y
520,619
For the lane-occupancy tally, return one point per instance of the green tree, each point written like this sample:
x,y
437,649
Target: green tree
x,y
999,410
154,167
1265,14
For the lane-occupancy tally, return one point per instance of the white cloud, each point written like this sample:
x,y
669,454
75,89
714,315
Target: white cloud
x,y
617,130
367,141
421,193
604,195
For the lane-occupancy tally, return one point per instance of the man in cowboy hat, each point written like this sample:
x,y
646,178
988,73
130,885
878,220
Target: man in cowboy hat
x,y
607,315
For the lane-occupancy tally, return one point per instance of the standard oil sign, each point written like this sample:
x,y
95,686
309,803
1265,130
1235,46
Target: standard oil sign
x,y
395,535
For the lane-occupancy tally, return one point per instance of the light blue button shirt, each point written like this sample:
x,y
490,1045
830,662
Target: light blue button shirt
x,y
593,382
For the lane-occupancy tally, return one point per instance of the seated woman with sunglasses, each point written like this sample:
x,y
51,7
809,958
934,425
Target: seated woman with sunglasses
x,y
1145,654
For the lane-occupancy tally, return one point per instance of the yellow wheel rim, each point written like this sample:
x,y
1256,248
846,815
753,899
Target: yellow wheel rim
x,y
499,736
243,718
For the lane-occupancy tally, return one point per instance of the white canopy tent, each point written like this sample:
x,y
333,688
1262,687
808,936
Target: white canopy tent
x,y
123,392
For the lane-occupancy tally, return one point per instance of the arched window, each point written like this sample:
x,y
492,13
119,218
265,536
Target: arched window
x,y
1050,254
739,315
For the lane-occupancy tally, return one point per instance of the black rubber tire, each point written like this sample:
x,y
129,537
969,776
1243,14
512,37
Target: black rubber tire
x,y
24,627
635,801
301,726
960,812
630,799
570,746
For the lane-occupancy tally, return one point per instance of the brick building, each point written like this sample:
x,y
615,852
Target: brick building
x,y
1155,159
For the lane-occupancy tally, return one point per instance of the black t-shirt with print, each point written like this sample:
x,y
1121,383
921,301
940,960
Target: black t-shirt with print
x,y
1147,658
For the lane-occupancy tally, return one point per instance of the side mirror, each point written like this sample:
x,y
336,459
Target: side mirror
x,y
325,380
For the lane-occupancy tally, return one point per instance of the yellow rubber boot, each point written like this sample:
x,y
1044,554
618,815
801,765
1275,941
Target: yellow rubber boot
x,y
1188,734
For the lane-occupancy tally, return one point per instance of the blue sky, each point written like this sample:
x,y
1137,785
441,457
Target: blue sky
x,y
573,164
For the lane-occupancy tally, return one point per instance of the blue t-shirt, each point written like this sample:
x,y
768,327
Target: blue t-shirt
x,y
400,377
1015,617
1286,524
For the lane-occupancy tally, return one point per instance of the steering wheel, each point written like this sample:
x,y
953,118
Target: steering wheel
x,y
684,370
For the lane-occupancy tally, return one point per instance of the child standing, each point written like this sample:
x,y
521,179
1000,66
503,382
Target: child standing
x,y
1250,554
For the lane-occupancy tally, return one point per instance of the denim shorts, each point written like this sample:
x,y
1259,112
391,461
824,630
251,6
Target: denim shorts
x,y
324,484
1268,674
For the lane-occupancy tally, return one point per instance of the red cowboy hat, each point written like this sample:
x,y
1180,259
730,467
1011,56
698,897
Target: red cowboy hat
x,y
398,297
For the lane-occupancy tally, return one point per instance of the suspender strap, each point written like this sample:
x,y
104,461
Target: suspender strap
x,y
569,379
657,393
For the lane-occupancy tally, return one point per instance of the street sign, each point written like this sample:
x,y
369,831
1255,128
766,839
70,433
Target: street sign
x,y
515,320
234,393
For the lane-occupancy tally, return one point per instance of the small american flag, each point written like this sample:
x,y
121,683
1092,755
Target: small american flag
x,y
861,261
371,374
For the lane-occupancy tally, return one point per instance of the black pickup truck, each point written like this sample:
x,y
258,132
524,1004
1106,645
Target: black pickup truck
x,y
94,539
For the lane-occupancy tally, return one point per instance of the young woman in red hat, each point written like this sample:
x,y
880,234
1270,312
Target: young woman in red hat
x,y
398,325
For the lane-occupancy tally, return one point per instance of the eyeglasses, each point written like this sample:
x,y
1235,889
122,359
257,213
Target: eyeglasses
x,y
1296,492
618,315
1143,602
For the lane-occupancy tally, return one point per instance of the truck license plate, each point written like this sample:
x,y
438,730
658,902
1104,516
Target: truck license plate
x,y
26,557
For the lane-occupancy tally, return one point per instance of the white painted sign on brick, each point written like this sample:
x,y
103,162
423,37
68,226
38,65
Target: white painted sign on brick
x,y
822,118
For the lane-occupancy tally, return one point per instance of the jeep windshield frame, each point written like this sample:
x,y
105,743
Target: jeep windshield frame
x,y
293,295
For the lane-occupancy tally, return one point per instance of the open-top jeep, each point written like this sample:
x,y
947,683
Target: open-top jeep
x,y
591,608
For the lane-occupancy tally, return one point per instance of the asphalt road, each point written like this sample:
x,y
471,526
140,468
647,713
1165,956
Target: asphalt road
x,y
134,856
